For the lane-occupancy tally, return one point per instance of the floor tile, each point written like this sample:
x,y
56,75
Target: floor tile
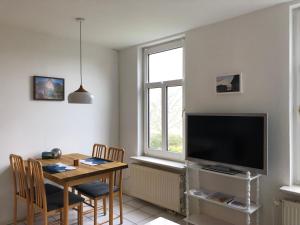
x,y
181,222
126,209
136,203
127,198
88,222
137,216
171,216
125,222
101,218
147,220
153,210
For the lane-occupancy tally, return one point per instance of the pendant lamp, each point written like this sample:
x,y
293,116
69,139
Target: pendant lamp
x,y
80,96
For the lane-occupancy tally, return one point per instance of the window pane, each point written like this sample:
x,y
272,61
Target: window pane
x,y
155,122
166,65
175,119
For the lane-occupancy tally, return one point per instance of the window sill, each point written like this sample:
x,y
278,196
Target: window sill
x,y
160,162
293,189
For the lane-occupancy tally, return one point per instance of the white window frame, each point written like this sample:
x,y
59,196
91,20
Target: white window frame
x,y
163,153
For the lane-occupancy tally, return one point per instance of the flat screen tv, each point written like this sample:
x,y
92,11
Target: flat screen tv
x,y
235,140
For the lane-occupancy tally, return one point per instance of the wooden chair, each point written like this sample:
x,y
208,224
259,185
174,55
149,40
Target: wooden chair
x,y
99,151
48,203
20,185
100,189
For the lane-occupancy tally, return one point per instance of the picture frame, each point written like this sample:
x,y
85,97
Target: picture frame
x,y
229,83
48,88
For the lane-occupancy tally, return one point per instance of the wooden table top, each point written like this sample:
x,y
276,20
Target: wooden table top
x,y
82,171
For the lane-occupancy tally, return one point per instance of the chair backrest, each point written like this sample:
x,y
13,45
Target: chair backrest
x,y
37,186
116,154
19,176
99,151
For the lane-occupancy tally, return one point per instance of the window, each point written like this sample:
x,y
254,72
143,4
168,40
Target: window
x,y
163,94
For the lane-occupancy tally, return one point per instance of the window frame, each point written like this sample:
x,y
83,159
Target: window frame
x,y
164,85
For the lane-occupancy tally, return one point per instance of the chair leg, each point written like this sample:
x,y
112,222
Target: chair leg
x,y
15,209
104,205
79,215
30,214
45,217
121,206
95,210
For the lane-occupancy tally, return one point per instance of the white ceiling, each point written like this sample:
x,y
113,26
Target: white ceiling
x,y
121,23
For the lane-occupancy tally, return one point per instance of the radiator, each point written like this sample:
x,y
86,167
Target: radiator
x,y
291,213
157,186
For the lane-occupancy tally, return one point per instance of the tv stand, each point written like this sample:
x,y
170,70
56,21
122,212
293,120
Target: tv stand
x,y
221,169
240,202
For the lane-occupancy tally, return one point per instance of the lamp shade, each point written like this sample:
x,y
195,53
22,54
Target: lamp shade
x,y
80,96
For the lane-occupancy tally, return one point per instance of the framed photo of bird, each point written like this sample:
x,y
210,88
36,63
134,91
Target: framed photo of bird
x,y
231,83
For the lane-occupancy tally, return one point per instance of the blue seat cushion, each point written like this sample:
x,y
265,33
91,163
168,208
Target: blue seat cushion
x,y
95,189
56,200
51,189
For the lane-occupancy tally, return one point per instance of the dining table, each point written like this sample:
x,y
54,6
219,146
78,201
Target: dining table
x,y
82,174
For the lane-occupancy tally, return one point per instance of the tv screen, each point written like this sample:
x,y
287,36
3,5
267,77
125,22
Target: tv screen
x,y
238,140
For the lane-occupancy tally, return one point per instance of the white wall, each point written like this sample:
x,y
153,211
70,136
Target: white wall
x,y
257,45
29,127
128,64
130,105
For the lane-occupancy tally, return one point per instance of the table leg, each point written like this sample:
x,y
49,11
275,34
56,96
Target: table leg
x,y
66,205
111,199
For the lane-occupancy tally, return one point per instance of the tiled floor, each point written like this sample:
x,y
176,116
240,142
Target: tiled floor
x,y
135,212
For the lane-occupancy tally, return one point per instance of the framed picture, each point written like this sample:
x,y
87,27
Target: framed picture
x,y
229,83
48,88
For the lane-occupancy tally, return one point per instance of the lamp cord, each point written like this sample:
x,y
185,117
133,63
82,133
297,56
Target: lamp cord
x,y
80,55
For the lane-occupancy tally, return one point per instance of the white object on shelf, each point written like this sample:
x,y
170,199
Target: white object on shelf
x,y
201,192
202,219
221,197
238,204
253,207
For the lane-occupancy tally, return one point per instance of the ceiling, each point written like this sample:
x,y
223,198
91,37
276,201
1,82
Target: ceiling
x,y
121,23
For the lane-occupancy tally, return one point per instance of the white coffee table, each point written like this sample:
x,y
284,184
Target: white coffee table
x,y
161,221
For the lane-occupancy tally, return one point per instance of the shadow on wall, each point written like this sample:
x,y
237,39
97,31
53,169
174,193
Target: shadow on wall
x,y
6,196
